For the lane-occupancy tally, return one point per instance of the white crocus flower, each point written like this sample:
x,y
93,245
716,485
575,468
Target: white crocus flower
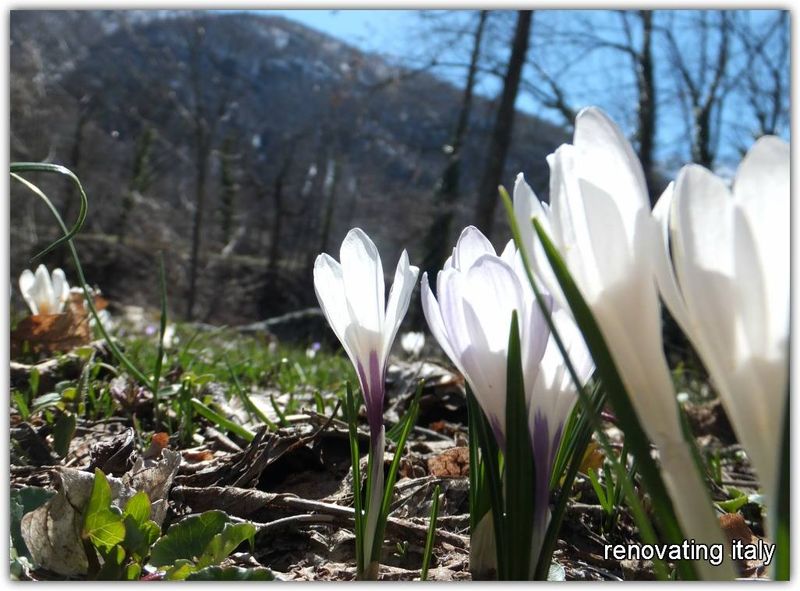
x,y
600,220
351,295
43,294
728,288
477,292
412,343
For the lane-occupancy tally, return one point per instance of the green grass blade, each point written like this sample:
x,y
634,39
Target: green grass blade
x,y
490,461
352,413
281,415
426,556
388,491
251,406
17,167
162,330
222,422
479,500
520,469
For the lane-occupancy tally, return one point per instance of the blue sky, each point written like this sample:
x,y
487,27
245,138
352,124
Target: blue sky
x,y
603,78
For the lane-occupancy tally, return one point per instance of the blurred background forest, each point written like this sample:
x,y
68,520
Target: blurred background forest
x,y
242,144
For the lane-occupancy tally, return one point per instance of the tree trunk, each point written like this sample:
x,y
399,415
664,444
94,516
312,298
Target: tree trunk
x,y
646,112
447,191
504,121
277,220
201,154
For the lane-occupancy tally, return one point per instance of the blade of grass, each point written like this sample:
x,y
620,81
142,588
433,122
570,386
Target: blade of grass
x,y
426,556
352,413
388,490
520,469
490,461
281,415
221,421
251,406
479,501
162,330
17,167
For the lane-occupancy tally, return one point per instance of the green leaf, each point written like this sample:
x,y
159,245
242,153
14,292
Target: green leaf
x,y
21,404
188,539
112,569
519,461
101,526
63,432
140,536
33,381
225,542
138,507
180,570
231,573
133,572
44,401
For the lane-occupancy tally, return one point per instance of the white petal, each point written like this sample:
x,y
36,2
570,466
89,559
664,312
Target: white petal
x,y
762,190
509,252
608,161
42,292
26,288
485,369
433,314
703,256
569,225
405,278
329,287
451,290
665,274
471,244
525,201
60,288
363,280
494,292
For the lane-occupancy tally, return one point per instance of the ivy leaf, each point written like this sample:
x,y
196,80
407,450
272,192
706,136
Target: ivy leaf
x,y
188,539
138,508
222,544
101,526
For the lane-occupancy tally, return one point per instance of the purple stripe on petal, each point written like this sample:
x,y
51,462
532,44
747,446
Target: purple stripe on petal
x,y
373,387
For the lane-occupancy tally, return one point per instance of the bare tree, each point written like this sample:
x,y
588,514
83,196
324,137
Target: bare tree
x,y
447,190
500,140
633,39
765,72
700,60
